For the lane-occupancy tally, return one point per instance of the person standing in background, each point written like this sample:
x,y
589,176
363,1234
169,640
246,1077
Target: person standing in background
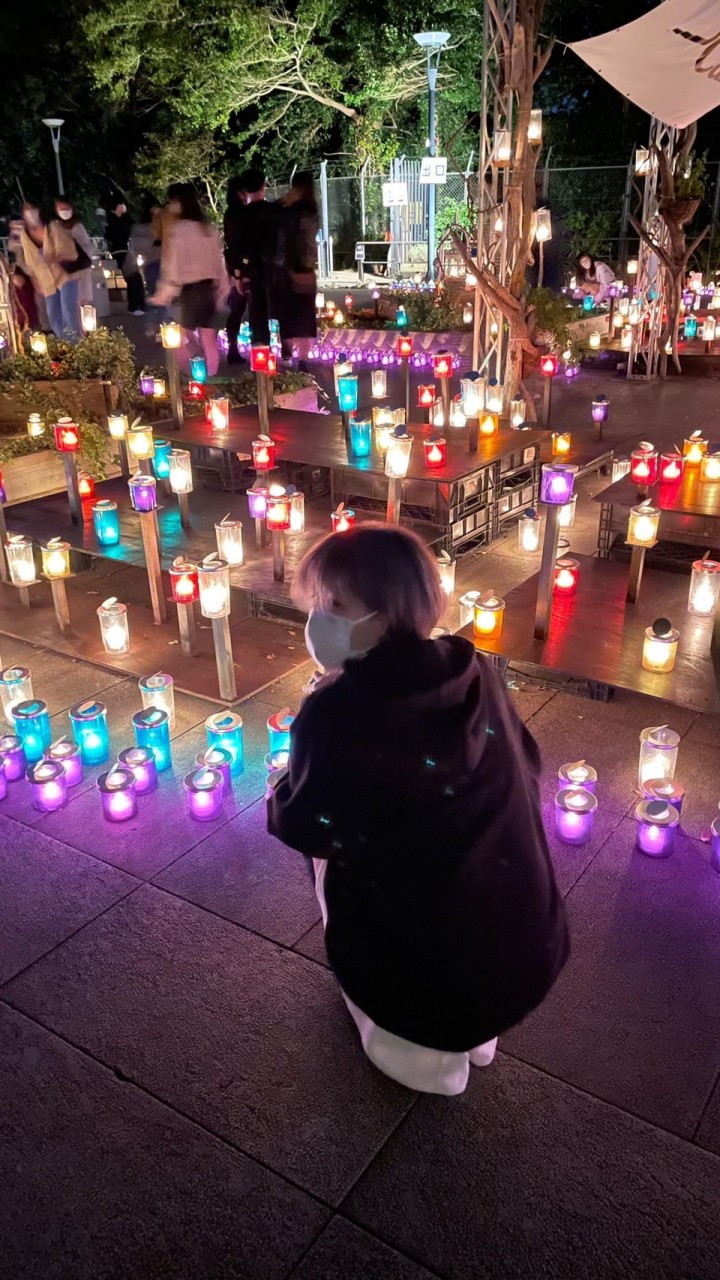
x,y
51,256
259,228
233,222
68,216
193,270
297,256
117,234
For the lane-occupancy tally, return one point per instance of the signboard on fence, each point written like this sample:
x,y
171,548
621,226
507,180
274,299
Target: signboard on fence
x,y
394,194
433,171
359,252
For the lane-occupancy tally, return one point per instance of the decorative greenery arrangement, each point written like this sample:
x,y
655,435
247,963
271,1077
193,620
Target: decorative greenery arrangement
x,y
591,233
106,354
242,390
552,313
427,310
94,453
690,180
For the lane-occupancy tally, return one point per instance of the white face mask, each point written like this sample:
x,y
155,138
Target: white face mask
x,y
328,638
65,214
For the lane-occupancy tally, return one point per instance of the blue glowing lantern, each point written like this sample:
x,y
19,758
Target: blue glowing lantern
x,y
88,721
106,522
348,392
588,302
360,438
152,730
401,316
225,729
690,327
198,369
32,726
278,727
161,460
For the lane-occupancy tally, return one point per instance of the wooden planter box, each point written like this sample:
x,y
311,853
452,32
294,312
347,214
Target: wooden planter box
x,y
37,475
14,409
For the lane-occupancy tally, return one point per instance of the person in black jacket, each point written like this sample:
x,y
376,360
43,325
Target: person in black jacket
x,y
413,785
233,235
118,230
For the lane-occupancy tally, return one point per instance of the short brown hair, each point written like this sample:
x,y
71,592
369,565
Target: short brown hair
x,y
386,567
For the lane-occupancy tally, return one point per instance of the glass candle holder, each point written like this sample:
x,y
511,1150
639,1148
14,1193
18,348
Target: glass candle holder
x,y
600,409
15,687
690,328
397,456
88,317
220,759
518,411
152,730
158,388
442,364
704,588
657,823
561,443
117,426
472,392
671,468
644,465
708,329
171,335
467,603
86,486
159,691
13,761
261,359
56,559
205,791
67,436
257,501
38,344
275,760
426,397
277,511
278,727
49,788
694,449
383,434
666,790
715,844
69,755
21,560
489,424
488,617
566,515
140,442
404,346
575,809
360,437
35,426
181,476
142,763
446,570
228,536
643,526
556,483
88,721
143,492
218,413
435,452
660,650
378,384
566,575
501,147
161,459
658,754
620,468
106,523
225,729
576,775
3,785
118,795
297,512
147,384
529,526
264,451
214,583
494,396
32,726
184,582
457,415
710,468
343,519
198,369
347,393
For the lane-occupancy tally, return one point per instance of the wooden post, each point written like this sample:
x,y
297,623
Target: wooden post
x,y
176,404
473,426
107,395
445,400
346,426
151,544
278,555
145,467
184,506
24,594
124,458
270,385
637,564
394,500
186,626
71,480
263,404
224,659
547,570
4,569
547,401
60,604
260,534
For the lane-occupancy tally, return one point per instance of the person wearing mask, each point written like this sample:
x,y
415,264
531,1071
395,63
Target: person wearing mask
x,y
299,224
238,296
193,271
594,277
443,922
258,247
67,214
52,257
117,234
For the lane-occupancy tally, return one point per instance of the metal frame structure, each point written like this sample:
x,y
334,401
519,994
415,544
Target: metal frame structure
x,y
651,276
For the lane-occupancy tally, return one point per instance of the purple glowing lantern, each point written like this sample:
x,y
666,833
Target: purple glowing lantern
x,y
141,762
575,810
657,823
117,794
13,762
205,789
49,788
69,755
577,774
219,759
143,492
556,484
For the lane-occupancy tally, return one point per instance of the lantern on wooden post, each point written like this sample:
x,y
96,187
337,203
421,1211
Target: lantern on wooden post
x,y
704,587
277,516
600,410
442,371
171,335
159,691
228,535
446,569
214,581
556,489
118,429
404,352
263,363
181,482
397,461
257,505
529,526
644,467
642,535
67,443
185,591
56,568
548,369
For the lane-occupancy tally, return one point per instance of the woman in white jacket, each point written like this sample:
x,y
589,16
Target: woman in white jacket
x,y
193,271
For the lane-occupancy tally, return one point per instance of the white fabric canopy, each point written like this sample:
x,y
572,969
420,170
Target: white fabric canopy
x,y
668,62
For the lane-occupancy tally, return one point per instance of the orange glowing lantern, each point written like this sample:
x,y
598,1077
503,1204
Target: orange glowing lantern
x,y
561,442
277,511
404,346
694,449
489,424
86,486
488,618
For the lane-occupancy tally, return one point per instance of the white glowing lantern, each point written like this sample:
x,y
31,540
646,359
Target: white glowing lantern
x,y
708,329
472,391
566,514
626,338
517,411
228,535
499,224
457,414
378,380
467,314
594,340
643,525
543,226
88,317
643,164
21,561
502,147
114,626
438,416
214,583
470,280
632,266
704,588
617,320
181,477
494,397
297,512
535,127
446,568
529,526
397,456
494,328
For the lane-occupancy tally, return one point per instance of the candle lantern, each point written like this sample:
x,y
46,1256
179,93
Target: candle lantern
x,y
594,341
35,426
15,687
384,432
21,560
502,147
518,410
435,452
205,790
88,721
534,132
378,383
67,436
660,646
158,388
198,369
472,392
404,346
152,730
262,360
49,788
278,727
489,425
86,486
341,369
666,790
221,760
644,465
467,313
626,338
704,588
225,729
118,794
643,526
561,442
442,364
38,344
446,570
143,492
488,616
257,501
277,512
297,512
117,426
690,328
214,583
88,317
575,810
228,535
548,366
529,526
566,514
600,409
69,755
114,628
319,301
275,760
494,396
657,822
360,438
710,468
348,393
620,468
3,785
658,754
147,384
708,329
557,483
263,453
13,761
397,456
159,691
195,389
632,266
32,726
171,335
566,574
181,476
384,417
140,442
671,467
577,774
56,559
467,603
219,413
342,519
141,761
426,397
694,449
184,582
457,414
161,460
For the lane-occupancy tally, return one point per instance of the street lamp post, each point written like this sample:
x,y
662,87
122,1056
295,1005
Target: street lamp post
x,y
55,125
433,42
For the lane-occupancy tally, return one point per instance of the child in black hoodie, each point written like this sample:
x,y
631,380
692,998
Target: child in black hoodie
x,y
413,785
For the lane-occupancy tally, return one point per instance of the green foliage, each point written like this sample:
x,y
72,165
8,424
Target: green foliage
x,y
25,368
591,233
107,354
455,213
95,445
242,390
690,185
552,314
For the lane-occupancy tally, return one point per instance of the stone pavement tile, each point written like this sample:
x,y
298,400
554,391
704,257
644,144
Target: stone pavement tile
x,y
343,1250
247,1038
698,769
313,945
708,1134
571,860
288,691
634,1017
524,1177
48,891
526,699
246,875
705,729
108,1183
18,652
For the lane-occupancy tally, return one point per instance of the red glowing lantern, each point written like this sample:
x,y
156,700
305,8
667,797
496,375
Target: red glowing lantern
x,y
67,436
349,300
644,465
435,453
442,364
263,453
196,390
671,467
426,397
277,511
567,573
262,360
549,366
86,486
404,346
184,582
342,519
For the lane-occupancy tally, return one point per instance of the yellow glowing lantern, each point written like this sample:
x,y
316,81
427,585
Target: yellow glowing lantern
x,y
594,340
117,426
489,424
626,338
38,344
708,329
660,647
632,266
643,525
561,442
171,335
338,318
35,426
710,467
617,320
488,620
694,449
158,388
543,226
140,442
56,559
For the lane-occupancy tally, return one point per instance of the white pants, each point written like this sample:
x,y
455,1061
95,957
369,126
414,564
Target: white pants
x,y
414,1065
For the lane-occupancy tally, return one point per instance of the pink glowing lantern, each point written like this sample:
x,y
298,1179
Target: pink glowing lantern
x,y
575,810
219,759
117,794
69,755
665,789
657,823
49,788
205,790
577,774
13,761
141,762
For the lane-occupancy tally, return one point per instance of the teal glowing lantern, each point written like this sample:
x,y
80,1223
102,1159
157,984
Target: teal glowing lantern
x,y
88,721
161,460
152,730
360,438
198,369
225,729
588,302
690,327
32,726
348,392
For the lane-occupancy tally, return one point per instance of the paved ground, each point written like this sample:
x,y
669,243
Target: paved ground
x,y
182,1090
